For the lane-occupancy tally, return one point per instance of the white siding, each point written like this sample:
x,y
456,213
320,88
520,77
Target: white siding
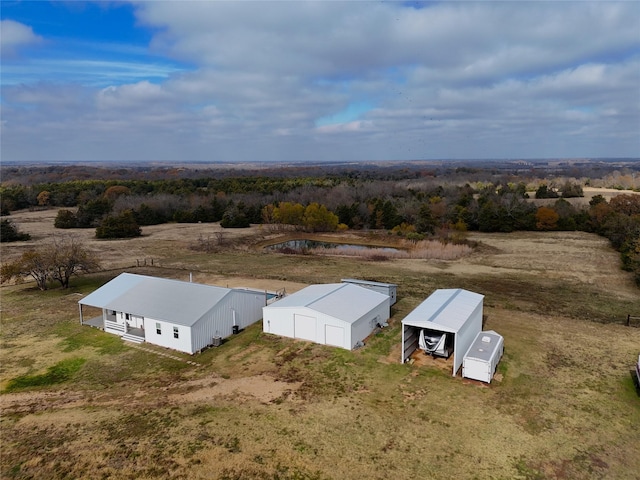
x,y
306,327
481,360
218,322
334,336
451,311
278,321
308,324
165,338
465,337
366,324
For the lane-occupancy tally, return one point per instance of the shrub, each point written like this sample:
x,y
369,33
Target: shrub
x,y
120,226
65,219
10,233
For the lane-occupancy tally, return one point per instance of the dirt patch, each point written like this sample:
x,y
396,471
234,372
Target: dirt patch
x,y
263,388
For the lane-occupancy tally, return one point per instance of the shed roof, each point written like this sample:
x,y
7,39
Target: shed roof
x,y
344,301
174,301
482,350
444,309
368,282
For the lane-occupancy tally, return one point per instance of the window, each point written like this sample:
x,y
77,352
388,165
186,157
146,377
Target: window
x,y
175,332
126,315
158,329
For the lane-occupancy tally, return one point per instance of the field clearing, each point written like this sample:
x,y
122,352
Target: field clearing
x,y
564,405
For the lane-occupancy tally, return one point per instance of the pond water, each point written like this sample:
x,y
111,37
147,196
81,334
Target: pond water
x,y
304,244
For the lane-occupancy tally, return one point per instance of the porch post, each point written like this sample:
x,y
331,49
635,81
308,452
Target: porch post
x,y
80,307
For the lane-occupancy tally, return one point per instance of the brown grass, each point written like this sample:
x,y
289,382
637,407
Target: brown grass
x,y
564,405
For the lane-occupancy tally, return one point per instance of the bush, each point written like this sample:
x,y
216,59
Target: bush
x,y
120,226
9,232
65,219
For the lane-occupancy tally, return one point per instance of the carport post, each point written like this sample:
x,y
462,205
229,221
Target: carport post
x,y
80,306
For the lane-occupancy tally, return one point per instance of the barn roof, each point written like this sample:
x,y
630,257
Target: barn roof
x,y
444,309
344,301
174,301
368,282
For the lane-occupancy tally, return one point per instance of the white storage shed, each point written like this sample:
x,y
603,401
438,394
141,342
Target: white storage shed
x,y
482,358
454,313
337,314
390,289
181,315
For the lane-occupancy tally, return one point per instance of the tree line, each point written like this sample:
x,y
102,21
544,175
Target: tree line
x,y
416,206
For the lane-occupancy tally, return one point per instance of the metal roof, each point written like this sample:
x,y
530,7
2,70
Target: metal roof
x,y
482,350
444,309
345,301
175,301
368,282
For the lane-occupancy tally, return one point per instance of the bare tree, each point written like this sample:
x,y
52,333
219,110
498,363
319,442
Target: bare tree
x,y
58,260
69,257
32,263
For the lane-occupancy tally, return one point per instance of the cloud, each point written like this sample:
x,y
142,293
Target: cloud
x,y
14,36
342,81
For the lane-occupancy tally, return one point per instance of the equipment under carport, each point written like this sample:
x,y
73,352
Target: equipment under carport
x,y
435,343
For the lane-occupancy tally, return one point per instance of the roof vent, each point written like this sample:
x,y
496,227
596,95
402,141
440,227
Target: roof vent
x,y
486,339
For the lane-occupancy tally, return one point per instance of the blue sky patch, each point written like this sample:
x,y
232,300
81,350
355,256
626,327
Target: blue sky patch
x,y
353,112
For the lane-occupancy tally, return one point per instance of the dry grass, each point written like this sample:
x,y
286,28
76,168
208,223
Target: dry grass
x,y
403,249
264,407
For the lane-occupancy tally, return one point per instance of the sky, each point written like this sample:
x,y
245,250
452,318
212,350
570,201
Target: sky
x,y
249,81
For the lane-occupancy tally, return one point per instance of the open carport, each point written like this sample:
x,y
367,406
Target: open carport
x,y
454,313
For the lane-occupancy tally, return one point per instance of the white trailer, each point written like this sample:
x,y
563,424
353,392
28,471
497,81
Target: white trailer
x,y
482,358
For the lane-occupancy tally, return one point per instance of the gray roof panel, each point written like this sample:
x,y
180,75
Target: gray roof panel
x,y
343,301
444,309
182,303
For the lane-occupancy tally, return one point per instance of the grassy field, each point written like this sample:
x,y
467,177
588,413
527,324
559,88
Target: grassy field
x,y
79,403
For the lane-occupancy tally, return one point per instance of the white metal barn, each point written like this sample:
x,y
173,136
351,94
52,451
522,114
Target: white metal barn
x,y
454,313
390,289
337,314
481,360
181,315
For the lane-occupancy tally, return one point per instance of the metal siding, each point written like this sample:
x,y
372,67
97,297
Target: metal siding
x,y
466,335
476,370
218,322
305,327
409,341
475,367
278,321
165,339
278,317
334,336
363,327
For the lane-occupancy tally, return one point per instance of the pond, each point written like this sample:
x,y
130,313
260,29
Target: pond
x,y
304,245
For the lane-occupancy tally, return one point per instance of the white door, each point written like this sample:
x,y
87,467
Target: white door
x,y
305,327
334,336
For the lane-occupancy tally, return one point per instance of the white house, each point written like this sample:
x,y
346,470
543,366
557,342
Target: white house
x,y
181,315
337,314
482,358
451,318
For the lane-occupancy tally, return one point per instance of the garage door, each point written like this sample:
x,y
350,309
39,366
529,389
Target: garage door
x,y
305,327
334,336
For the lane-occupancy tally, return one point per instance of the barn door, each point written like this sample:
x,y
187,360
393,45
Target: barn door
x,y
304,327
334,336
